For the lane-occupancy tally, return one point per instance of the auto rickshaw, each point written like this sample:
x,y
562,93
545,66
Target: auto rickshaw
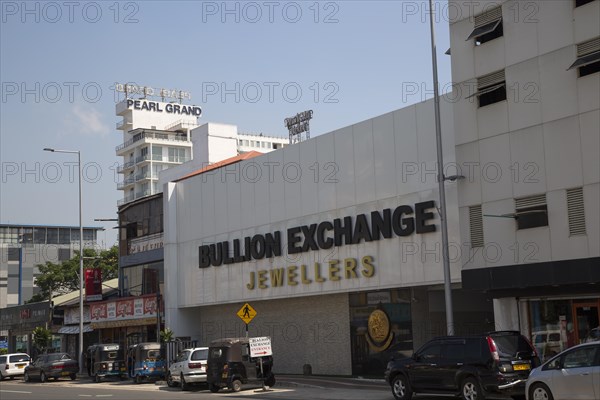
x,y
230,365
105,360
147,362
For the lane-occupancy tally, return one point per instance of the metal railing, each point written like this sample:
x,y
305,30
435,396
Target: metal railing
x,y
125,166
143,175
125,182
125,199
121,124
151,135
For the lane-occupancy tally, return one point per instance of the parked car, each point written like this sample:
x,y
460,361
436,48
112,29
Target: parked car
x,y
572,374
594,335
547,343
189,368
54,365
12,365
472,367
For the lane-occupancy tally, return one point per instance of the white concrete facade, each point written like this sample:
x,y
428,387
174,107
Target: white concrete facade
x,y
544,139
368,167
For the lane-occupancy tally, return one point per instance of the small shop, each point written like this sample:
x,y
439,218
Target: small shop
x,y
19,322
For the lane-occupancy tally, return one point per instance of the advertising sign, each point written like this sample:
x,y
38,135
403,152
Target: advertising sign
x,y
93,284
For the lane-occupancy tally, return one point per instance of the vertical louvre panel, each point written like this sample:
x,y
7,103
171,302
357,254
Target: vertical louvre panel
x,y
476,226
576,212
488,16
491,79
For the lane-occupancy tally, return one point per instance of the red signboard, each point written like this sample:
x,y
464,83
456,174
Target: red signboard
x,y
124,309
98,311
93,284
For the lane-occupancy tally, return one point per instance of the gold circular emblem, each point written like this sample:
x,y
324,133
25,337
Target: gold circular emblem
x,y
379,326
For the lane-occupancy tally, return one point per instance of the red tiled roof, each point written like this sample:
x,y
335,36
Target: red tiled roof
x,y
227,161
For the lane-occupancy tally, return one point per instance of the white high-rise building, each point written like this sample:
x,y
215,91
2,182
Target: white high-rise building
x,y
158,135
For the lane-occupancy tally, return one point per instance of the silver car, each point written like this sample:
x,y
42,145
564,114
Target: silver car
x,y
573,374
12,365
189,368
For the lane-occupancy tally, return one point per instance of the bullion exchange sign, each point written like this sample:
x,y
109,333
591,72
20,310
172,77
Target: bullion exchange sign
x,y
403,220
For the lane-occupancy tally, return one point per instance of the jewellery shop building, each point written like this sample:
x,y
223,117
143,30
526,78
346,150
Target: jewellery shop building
x,y
316,237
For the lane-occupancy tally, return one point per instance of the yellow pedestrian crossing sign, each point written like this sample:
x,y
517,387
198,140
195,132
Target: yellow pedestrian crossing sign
x,y
247,313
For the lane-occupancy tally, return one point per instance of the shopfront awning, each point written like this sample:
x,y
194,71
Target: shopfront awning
x,y
74,329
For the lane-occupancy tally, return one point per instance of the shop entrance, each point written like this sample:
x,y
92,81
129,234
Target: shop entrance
x,y
587,317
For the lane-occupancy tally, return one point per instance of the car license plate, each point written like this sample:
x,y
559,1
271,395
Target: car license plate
x,y
20,366
65,373
521,367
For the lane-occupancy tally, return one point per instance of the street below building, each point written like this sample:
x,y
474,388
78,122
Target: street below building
x,y
288,388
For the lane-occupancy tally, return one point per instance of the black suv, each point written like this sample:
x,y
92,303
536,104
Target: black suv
x,y
470,366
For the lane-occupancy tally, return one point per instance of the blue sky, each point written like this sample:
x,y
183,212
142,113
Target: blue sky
x,y
245,63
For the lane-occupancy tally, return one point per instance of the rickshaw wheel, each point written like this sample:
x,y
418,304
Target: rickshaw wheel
x,y
236,385
138,379
73,376
270,381
213,388
97,378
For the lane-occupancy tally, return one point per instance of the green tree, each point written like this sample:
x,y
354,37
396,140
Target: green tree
x,y
57,279
42,338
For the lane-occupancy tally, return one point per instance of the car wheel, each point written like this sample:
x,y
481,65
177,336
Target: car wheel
x,y
26,377
184,386
539,391
43,377
213,388
471,390
170,381
1,376
236,385
73,376
400,388
10,377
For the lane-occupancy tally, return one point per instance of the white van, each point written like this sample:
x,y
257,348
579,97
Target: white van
x,y
12,365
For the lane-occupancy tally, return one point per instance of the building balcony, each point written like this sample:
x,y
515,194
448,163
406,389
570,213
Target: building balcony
x,y
124,125
151,136
143,158
126,182
125,166
143,193
125,199
144,175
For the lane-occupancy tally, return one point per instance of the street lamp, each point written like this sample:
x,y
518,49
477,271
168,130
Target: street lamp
x,y
441,182
80,357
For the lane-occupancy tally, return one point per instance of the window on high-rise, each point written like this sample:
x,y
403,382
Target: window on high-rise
x,y
488,26
588,57
491,89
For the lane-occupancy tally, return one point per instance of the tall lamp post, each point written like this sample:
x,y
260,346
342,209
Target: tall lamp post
x,y
80,356
441,182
